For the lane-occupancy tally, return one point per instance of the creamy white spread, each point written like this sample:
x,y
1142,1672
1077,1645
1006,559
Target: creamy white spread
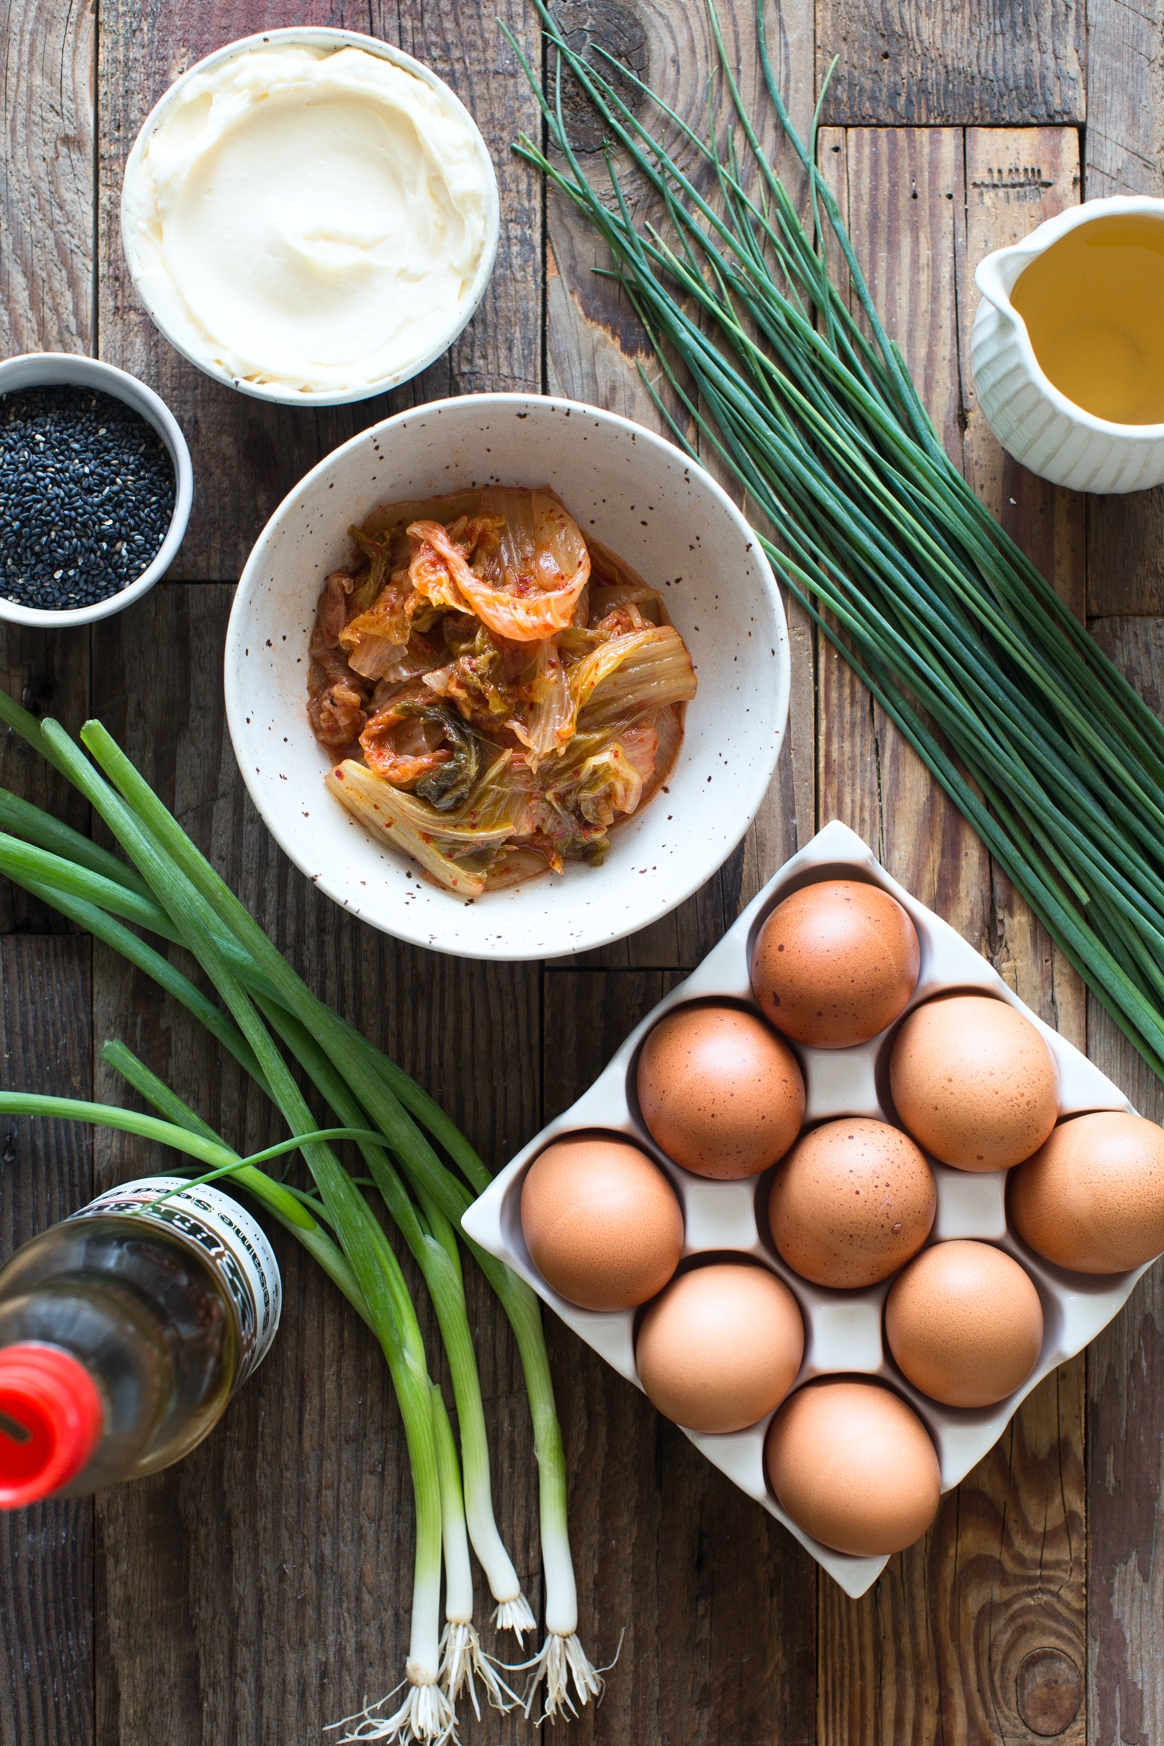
x,y
308,219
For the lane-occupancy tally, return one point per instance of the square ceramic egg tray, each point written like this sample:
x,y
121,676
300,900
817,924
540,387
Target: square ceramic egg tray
x,y
843,1329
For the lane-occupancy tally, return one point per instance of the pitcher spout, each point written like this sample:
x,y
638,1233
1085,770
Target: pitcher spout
x,y
996,275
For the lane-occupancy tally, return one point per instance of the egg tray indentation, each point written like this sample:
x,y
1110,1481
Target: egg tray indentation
x,y
843,1329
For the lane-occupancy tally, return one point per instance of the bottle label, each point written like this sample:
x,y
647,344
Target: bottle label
x,y
231,1240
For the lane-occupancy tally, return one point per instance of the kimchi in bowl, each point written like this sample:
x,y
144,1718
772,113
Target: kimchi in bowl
x,y
633,494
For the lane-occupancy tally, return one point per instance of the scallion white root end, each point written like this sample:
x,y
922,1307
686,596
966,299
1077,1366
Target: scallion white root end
x,y
463,1662
426,1714
561,1658
514,1615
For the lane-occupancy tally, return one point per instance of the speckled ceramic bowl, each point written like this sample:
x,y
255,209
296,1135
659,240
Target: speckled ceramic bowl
x,y
658,510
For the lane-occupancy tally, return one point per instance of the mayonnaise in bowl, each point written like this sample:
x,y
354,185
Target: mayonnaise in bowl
x,y
308,218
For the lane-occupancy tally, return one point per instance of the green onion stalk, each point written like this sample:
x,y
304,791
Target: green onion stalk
x,y
462,1658
1032,731
173,888
426,1709
428,1712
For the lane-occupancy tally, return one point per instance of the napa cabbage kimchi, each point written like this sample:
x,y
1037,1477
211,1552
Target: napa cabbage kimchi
x,y
497,692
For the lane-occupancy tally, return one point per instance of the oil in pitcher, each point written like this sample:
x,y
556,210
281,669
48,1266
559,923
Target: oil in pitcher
x,y
1093,304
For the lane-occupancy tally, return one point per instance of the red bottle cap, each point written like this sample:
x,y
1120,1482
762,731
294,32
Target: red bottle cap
x,y
51,1421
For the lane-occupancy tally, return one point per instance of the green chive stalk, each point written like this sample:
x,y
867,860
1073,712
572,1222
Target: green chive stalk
x,y
1034,734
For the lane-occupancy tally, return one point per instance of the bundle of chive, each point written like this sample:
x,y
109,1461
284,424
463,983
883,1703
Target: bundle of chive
x,y
172,891
1058,763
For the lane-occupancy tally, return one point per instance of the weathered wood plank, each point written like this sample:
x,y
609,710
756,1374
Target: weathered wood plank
x,y
715,1597
49,674
46,1172
906,220
1015,179
998,62
595,343
1125,1386
903,194
936,1649
1125,98
47,55
294,1519
234,438
1125,155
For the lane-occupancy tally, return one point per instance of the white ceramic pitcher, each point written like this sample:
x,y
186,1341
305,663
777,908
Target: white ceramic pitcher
x,y
1031,418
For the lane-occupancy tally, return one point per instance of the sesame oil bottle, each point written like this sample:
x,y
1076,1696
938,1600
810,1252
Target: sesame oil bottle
x,y
124,1332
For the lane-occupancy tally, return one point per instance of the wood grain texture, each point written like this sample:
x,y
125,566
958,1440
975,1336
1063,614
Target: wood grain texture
x,y
294,1519
1125,155
248,454
715,1597
902,193
1125,1370
906,218
1016,178
996,62
935,1650
49,674
47,54
46,1172
595,345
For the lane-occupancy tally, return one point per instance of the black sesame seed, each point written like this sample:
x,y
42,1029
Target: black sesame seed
x,y
76,464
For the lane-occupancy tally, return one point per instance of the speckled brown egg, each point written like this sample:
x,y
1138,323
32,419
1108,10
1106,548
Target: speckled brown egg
x,y
851,1203
854,1466
720,1347
720,1091
1092,1198
601,1222
964,1323
835,963
974,1082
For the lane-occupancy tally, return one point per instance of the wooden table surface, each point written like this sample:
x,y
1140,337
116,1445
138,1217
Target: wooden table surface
x,y
260,1589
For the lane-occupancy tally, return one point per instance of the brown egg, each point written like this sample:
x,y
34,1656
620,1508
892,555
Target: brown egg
x,y
854,1466
720,1347
1092,1198
851,1203
721,1092
964,1324
974,1082
835,963
601,1221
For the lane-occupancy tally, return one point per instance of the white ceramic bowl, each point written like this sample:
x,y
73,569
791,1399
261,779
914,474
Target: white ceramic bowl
x,y
49,369
658,510
843,1329
312,37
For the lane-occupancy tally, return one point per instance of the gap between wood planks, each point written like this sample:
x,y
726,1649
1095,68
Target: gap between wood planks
x,y
973,1632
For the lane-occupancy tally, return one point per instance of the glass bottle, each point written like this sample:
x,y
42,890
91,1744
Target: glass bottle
x,y
124,1332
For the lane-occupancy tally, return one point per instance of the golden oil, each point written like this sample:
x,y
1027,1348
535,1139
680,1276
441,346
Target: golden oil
x,y
1093,304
